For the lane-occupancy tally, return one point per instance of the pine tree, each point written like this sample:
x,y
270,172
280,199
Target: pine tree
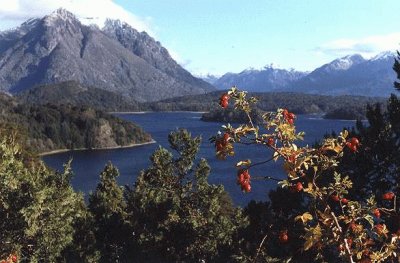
x,y
108,208
38,207
178,215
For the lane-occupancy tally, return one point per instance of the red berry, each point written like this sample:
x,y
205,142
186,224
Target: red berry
x,y
290,121
291,115
377,213
240,179
283,237
344,201
299,186
224,96
354,141
351,146
388,196
223,103
14,258
247,187
285,113
246,175
271,141
335,198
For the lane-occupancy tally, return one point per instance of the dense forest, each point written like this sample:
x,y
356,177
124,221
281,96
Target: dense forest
x,y
49,127
74,93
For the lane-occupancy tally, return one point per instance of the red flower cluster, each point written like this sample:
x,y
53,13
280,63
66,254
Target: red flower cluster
x,y
224,100
288,116
244,180
353,143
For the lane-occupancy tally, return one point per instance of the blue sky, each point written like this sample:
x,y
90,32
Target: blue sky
x,y
219,36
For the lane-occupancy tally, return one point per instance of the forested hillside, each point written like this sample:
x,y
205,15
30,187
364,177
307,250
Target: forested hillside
x,y
50,127
74,93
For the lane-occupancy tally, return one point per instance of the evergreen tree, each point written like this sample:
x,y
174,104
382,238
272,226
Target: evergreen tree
x,y
108,208
83,247
178,215
38,207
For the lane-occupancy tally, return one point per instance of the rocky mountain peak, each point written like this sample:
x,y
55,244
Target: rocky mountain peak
x,y
345,63
119,59
384,55
58,15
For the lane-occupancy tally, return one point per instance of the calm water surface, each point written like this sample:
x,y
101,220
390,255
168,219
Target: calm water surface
x,y
88,164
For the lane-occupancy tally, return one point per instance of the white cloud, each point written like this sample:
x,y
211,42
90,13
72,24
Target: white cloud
x,y
15,12
367,47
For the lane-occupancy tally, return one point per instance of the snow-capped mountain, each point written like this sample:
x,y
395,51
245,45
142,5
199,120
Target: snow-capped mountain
x,y
58,47
349,75
260,80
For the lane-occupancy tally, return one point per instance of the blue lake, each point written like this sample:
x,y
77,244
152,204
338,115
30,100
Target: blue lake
x,y
88,164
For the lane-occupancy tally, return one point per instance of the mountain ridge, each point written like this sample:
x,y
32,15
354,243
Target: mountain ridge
x,y
348,75
58,47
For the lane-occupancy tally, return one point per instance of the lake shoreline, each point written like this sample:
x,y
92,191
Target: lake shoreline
x,y
144,112
96,149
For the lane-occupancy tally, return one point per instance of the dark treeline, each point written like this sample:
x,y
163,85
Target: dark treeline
x,y
340,107
74,93
50,127
71,92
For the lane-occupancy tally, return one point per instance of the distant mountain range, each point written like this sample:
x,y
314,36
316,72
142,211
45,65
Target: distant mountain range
x,y
117,58
265,80
350,75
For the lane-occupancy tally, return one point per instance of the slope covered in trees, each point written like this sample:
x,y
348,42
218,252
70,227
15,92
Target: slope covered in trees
x,y
74,93
352,106
49,127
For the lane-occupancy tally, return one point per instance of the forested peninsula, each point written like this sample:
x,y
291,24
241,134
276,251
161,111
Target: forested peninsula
x,y
47,128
